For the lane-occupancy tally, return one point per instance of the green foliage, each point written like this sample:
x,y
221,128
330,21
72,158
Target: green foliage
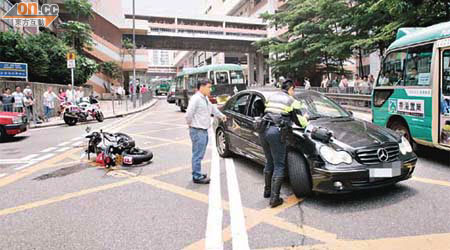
x,y
328,32
16,48
79,8
112,71
77,35
84,70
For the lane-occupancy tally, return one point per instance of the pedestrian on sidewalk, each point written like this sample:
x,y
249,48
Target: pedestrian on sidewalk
x,y
49,102
79,94
198,118
61,95
29,102
7,100
70,94
18,100
27,91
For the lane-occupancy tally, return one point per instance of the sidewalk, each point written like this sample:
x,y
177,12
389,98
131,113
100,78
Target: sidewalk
x,y
106,107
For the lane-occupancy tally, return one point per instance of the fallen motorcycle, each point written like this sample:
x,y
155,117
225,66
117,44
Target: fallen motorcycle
x,y
88,107
115,149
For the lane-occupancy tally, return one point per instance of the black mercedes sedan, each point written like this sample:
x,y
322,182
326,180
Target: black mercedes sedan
x,y
355,155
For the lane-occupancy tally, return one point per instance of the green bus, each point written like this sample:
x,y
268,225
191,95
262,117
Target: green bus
x,y
161,85
227,79
412,92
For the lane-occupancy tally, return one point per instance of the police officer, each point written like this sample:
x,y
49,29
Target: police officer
x,y
281,110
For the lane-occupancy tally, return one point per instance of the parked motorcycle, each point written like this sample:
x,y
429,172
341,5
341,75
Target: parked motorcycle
x,y
88,107
115,149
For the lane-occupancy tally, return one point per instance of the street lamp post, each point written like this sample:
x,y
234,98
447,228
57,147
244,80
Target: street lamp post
x,y
134,57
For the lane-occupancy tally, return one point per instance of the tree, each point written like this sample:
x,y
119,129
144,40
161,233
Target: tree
x,y
16,48
112,71
79,8
77,35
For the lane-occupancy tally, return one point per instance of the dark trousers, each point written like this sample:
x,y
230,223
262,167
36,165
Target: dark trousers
x,y
275,151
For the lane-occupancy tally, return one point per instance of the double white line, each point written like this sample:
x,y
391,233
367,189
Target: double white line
x,y
214,237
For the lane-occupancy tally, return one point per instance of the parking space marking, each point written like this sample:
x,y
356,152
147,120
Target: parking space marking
x,y
213,235
48,149
431,181
238,230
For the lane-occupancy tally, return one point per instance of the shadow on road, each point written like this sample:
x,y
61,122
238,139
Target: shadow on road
x,y
13,139
435,155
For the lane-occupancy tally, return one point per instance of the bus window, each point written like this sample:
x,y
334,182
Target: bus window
x,y
211,76
237,77
418,66
392,70
202,76
222,77
446,74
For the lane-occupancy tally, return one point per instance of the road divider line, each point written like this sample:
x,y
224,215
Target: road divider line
x,y
62,149
29,157
48,149
44,157
238,228
24,166
431,181
213,235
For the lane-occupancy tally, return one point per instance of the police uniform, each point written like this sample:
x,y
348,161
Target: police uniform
x,y
280,112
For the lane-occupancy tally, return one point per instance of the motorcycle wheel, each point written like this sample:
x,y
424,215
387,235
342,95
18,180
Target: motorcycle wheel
x,y
99,116
124,137
70,121
137,156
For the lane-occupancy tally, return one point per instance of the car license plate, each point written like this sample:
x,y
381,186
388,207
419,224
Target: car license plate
x,y
389,170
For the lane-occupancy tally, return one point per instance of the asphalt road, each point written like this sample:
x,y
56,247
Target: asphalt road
x,y
52,199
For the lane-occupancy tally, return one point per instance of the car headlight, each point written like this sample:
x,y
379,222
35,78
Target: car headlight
x,y
17,119
405,146
335,157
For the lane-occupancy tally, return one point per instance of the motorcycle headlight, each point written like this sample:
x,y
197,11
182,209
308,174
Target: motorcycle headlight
x,y
405,146
335,157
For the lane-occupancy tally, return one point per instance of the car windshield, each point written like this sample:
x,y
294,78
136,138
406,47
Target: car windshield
x,y
318,106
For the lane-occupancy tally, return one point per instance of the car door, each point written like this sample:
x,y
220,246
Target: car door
x,y
255,111
237,125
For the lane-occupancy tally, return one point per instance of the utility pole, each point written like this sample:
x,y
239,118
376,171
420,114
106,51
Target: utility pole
x,y
134,56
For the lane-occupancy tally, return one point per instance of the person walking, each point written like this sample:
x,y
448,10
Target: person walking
x,y
28,103
282,109
198,118
7,100
49,102
18,100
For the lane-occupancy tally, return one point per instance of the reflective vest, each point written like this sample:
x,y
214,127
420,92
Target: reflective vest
x,y
283,104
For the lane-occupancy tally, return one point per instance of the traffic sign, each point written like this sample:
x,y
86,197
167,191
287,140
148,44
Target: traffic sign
x,y
71,56
71,64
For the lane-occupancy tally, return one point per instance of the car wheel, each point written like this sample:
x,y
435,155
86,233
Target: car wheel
x,y
299,176
401,128
223,146
3,135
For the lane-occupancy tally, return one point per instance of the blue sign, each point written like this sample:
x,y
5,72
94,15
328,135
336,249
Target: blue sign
x,y
15,70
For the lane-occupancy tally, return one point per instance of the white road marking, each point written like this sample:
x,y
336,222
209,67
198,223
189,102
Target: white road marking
x,y
238,228
24,166
2,175
63,143
213,237
29,157
13,161
62,149
48,149
76,144
77,138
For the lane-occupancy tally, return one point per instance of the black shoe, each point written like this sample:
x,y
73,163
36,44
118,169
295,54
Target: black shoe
x,y
203,180
275,199
267,184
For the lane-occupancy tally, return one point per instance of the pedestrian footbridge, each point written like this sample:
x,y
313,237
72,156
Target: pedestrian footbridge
x,y
201,33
